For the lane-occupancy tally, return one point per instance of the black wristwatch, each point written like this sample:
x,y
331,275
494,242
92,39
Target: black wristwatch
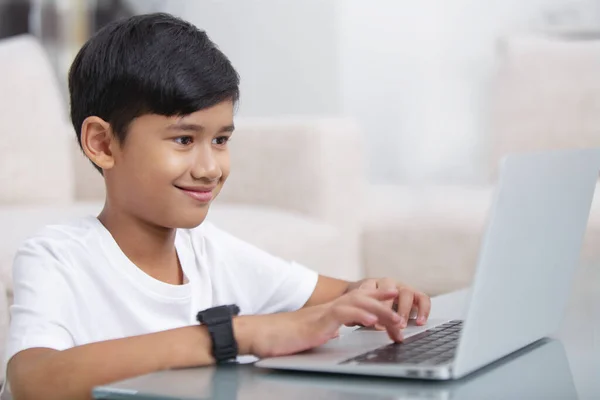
x,y
218,321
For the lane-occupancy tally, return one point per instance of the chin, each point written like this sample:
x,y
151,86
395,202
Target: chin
x,y
191,220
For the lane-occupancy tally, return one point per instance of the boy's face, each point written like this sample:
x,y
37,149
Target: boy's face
x,y
169,169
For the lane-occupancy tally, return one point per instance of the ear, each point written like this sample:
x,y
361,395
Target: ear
x,y
97,141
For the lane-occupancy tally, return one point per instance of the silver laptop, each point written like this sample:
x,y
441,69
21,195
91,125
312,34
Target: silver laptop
x,y
526,264
538,371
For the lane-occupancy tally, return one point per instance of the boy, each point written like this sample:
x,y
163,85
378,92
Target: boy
x,y
110,297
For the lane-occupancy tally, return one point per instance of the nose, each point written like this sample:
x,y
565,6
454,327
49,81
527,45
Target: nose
x,y
205,164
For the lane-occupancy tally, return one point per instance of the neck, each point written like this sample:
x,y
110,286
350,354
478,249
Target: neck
x,y
150,247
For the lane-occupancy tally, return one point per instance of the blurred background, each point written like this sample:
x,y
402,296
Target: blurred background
x,y
369,132
416,75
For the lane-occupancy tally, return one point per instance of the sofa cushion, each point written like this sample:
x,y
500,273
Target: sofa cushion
x,y
427,237
545,94
430,236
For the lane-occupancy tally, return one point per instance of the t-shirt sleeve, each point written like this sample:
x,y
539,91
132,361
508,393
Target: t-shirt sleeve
x,y
269,283
41,312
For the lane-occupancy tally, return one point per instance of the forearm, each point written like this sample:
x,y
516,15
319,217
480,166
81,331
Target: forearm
x,y
72,373
327,289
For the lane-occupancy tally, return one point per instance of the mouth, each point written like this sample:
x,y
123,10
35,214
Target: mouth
x,y
201,194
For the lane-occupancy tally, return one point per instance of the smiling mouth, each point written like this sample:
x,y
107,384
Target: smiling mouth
x,y
202,195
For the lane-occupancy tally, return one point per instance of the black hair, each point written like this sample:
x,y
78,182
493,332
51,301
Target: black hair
x,y
148,64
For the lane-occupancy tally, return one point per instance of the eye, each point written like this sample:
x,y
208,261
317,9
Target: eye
x,y
221,140
184,140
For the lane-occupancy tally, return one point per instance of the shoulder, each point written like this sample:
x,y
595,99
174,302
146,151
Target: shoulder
x,y
64,234
60,242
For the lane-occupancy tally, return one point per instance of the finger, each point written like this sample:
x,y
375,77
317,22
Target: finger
x,y
381,294
385,316
423,303
387,284
348,314
377,294
413,310
406,298
395,333
359,324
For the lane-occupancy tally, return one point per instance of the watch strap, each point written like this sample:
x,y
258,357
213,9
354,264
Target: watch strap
x,y
219,322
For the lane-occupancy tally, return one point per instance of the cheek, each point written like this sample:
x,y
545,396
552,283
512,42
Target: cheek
x,y
160,163
224,165
151,169
172,164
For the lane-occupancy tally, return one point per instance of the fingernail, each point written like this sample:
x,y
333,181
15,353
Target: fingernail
x,y
421,319
399,336
402,321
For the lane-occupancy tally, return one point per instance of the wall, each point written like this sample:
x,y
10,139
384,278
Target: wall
x,y
285,51
413,73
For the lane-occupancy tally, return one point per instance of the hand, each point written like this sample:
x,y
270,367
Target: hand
x,y
293,332
409,300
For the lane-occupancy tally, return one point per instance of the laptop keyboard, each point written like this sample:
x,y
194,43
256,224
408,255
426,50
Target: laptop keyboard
x,y
434,346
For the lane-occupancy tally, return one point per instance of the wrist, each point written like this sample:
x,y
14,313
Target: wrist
x,y
244,331
188,346
268,335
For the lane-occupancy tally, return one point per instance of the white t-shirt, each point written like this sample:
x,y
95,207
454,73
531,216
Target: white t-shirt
x,y
73,285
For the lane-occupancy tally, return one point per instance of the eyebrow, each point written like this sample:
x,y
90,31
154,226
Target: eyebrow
x,y
197,128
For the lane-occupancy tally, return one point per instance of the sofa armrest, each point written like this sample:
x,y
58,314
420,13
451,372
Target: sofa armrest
x,y
311,166
34,167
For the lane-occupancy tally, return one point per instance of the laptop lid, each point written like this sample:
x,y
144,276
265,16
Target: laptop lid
x,y
529,252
